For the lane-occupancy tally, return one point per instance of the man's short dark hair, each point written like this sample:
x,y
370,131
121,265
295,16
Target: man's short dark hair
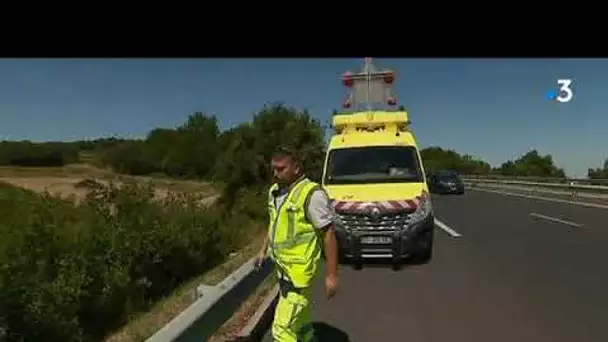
x,y
284,151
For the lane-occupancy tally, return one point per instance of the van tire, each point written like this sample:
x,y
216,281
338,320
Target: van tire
x,y
424,250
396,265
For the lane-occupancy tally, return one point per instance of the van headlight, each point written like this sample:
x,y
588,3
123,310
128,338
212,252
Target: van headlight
x,y
424,209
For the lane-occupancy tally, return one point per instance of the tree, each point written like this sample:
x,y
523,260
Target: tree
x,y
599,173
27,153
532,164
436,158
249,147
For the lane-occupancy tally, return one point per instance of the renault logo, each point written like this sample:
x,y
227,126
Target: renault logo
x,y
375,213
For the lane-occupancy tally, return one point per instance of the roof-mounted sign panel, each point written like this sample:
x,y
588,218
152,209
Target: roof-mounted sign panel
x,y
371,89
371,121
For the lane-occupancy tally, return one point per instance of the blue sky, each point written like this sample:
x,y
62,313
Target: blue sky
x,y
492,108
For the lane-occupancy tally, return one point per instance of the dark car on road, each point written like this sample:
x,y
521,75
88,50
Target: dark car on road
x,y
446,182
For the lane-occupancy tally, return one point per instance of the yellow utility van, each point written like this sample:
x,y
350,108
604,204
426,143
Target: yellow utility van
x,y
374,175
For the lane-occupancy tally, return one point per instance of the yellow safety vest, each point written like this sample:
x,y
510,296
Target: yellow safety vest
x,y
294,245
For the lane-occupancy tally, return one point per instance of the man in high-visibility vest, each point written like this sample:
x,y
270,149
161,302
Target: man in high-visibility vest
x,y
300,233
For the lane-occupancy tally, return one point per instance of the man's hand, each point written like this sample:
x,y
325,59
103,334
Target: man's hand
x,y
332,283
259,259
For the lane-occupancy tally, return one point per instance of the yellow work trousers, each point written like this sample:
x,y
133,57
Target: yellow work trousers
x,y
293,317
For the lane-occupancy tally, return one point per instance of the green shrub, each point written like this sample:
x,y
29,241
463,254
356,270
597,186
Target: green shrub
x,y
26,153
73,272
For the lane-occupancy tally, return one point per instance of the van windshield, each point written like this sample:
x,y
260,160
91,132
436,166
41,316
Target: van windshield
x,y
378,164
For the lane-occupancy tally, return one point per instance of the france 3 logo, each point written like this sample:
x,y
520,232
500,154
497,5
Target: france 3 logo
x,y
564,93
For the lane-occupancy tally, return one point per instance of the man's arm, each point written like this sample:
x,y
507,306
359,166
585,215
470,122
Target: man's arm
x,y
331,250
262,253
322,216
264,246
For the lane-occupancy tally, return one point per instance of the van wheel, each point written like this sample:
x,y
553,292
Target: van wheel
x,y
396,265
424,250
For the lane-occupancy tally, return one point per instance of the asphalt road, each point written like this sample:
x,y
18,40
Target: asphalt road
x,y
522,270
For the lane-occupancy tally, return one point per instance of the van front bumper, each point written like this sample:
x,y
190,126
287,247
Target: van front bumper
x,y
399,244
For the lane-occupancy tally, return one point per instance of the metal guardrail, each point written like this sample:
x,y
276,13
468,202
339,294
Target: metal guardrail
x,y
578,181
214,305
571,187
583,194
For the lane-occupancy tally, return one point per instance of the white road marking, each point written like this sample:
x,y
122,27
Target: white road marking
x,y
584,204
555,219
447,229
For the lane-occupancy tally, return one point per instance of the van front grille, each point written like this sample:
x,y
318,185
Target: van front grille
x,y
385,222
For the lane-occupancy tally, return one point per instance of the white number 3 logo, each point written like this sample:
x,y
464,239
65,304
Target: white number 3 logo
x,y
565,92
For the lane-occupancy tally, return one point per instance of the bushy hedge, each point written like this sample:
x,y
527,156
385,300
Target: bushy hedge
x,y
25,153
74,272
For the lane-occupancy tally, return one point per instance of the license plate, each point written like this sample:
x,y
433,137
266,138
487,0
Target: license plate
x,y
376,240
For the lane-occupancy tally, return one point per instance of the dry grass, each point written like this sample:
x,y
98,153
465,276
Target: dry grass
x,y
56,186
62,181
63,171
145,325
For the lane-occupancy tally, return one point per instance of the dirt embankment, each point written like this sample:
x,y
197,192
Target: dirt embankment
x,y
73,181
56,186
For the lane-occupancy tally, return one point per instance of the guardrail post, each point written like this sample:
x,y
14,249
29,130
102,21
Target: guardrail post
x,y
573,190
